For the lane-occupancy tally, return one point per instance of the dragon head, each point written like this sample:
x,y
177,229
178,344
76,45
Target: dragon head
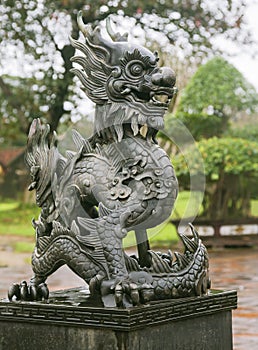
x,y
124,81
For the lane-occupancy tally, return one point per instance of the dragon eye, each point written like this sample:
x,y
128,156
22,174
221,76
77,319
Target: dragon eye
x,y
135,69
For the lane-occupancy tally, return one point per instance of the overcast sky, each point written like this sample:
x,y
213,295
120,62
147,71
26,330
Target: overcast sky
x,y
244,61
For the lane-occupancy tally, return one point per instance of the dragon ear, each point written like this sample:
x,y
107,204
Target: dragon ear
x,y
89,33
115,36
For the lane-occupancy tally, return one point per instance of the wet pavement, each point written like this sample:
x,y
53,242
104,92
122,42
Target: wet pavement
x,y
234,269
238,269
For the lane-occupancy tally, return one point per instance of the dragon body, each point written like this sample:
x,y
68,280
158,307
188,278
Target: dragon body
x,y
116,181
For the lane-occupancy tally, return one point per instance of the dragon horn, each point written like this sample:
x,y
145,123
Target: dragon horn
x,y
115,36
110,31
85,29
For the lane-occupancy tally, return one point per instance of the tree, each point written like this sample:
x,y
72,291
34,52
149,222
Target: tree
x,y
35,34
216,93
247,132
19,103
231,170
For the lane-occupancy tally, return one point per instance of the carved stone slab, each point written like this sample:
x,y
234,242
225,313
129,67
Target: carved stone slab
x,y
69,322
70,308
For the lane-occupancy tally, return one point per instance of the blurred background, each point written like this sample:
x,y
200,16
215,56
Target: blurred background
x,y
211,129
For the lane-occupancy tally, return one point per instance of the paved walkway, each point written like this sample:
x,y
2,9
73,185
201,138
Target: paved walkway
x,y
229,269
238,269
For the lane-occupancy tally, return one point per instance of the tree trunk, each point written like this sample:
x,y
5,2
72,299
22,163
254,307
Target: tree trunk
x,y
57,109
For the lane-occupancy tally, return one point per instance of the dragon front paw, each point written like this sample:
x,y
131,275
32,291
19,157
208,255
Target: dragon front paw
x,y
28,292
127,291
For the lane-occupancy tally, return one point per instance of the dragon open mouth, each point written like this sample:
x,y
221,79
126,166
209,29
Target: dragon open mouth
x,y
160,100
162,96
157,96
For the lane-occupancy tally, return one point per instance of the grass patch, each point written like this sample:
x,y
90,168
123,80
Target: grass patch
x,y
6,206
187,204
254,207
164,234
24,247
15,218
130,240
19,230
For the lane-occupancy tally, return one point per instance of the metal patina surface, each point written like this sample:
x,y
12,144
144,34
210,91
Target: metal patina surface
x,y
118,180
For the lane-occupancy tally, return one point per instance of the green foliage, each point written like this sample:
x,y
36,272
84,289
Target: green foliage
x,y
199,125
216,93
232,156
248,132
35,41
18,103
231,170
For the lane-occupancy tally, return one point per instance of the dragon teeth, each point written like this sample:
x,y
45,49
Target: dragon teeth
x,y
134,126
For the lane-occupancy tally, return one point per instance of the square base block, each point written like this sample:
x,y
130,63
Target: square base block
x,y
70,320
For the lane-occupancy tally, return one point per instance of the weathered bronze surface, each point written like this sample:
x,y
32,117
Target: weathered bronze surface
x,y
118,180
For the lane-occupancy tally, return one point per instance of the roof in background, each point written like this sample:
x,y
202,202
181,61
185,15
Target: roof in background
x,y
8,155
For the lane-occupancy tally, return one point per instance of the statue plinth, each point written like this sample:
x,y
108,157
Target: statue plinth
x,y
70,320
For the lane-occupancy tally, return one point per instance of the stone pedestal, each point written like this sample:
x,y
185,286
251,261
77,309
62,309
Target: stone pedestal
x,y
71,321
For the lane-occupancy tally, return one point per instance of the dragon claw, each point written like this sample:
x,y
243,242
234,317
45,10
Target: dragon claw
x,y
14,290
130,291
31,292
134,294
126,293
119,295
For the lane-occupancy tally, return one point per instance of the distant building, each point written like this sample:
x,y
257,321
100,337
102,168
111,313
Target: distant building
x,y
13,172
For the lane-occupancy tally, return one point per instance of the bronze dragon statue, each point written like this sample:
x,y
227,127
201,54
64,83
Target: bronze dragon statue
x,y
118,180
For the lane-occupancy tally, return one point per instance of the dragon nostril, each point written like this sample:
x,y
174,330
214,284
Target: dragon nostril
x,y
169,77
164,77
156,78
